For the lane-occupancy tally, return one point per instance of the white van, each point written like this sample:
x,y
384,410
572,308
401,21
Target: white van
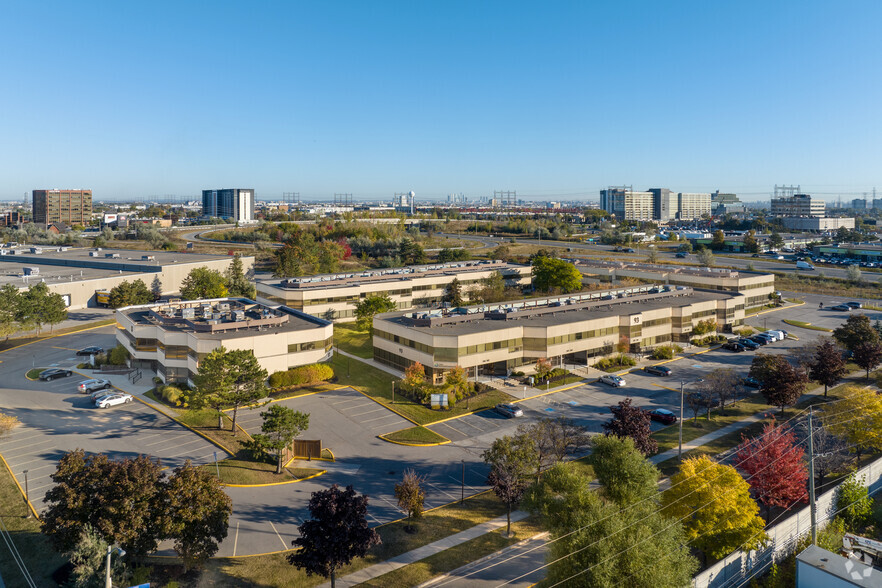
x,y
804,265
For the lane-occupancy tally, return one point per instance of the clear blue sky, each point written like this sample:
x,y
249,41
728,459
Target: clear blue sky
x,y
135,99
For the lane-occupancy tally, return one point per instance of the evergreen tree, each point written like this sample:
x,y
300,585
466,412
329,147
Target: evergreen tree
x,y
237,283
453,294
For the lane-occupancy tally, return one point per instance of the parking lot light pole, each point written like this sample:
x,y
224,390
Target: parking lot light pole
x,y
680,445
27,494
393,391
462,483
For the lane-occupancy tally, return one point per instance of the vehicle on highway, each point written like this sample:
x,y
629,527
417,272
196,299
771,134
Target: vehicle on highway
x,y
629,250
854,305
509,410
90,351
804,265
841,307
613,380
113,400
53,373
87,386
658,370
760,340
751,382
735,347
663,415
681,255
755,255
748,344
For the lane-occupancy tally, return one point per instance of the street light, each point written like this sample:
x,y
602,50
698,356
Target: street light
x,y
682,396
121,552
27,497
462,480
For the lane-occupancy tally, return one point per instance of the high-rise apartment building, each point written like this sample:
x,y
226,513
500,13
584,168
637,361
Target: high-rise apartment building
x,y
72,207
798,205
693,205
626,204
658,204
234,204
665,204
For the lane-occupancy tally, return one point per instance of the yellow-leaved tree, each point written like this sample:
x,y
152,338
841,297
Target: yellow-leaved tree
x,y
856,417
714,503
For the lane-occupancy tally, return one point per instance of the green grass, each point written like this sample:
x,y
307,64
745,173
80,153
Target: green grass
x,y
572,378
35,373
282,393
238,471
38,555
805,325
351,340
205,421
416,436
273,570
378,385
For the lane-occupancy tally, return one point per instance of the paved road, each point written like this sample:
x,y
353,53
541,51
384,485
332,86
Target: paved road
x,y
517,566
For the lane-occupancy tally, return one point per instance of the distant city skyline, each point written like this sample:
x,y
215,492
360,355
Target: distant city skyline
x,y
556,101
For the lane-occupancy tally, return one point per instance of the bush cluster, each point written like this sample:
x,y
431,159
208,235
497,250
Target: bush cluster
x,y
615,363
666,352
173,395
423,393
710,340
304,375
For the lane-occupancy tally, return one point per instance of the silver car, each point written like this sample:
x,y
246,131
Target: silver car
x,y
87,386
613,380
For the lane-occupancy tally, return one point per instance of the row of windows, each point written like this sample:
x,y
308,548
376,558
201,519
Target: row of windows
x,y
655,322
422,347
560,339
704,313
388,358
311,345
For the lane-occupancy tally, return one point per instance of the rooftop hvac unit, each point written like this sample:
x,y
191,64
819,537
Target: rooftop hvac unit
x,y
31,271
217,315
188,313
223,306
213,321
239,315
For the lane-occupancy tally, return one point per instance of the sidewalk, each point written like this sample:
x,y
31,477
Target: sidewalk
x,y
370,362
425,551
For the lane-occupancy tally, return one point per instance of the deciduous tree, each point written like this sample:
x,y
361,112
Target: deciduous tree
x,y
370,306
511,461
7,423
868,355
782,384
554,439
856,330
410,494
828,366
853,503
706,258
550,273
10,301
336,534
856,417
718,242
130,293
631,421
203,283
415,375
281,425
626,476
247,380
714,503
775,466
457,382
720,384
198,514
543,368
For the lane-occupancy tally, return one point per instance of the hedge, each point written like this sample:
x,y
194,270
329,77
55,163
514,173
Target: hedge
x,y
302,376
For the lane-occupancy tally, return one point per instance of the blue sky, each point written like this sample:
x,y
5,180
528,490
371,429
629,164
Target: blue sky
x,y
552,99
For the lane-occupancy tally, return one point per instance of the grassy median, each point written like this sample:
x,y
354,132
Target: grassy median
x,y
247,472
415,436
805,325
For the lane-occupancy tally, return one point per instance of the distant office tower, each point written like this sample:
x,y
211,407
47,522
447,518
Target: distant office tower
x,y
797,205
665,204
71,207
693,205
859,204
722,204
235,204
626,204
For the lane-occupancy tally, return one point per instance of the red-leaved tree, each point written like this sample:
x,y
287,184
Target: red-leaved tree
x,y
775,466
631,421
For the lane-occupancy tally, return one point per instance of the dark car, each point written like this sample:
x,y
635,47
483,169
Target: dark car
x,y
54,373
751,382
760,340
658,370
841,307
755,255
663,415
748,344
681,255
853,304
732,346
90,351
508,410
629,250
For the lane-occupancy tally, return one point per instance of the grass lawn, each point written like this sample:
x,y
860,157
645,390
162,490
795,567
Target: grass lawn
x,y
35,373
205,421
450,559
415,436
39,557
274,570
378,385
805,325
239,471
572,378
282,393
353,341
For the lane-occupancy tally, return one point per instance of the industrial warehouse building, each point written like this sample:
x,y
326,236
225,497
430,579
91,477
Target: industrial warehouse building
x,y
78,273
333,296
498,338
171,338
755,286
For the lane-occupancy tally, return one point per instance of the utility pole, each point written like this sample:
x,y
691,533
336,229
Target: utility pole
x,y
812,505
680,445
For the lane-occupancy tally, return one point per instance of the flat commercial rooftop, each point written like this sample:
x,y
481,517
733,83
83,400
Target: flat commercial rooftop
x,y
560,315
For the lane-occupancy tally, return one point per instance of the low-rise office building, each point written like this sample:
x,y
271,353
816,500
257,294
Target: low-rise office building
x,y
755,286
817,223
171,338
495,339
859,252
333,296
798,205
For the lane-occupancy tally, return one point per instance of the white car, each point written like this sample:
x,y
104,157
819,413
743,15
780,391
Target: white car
x,y
613,380
113,400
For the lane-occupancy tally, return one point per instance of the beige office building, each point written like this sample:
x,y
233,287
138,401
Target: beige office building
x,y
498,338
626,204
333,296
798,205
693,205
756,287
171,338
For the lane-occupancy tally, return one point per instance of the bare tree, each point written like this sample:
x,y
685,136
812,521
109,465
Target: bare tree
x,y
698,400
831,453
722,385
806,354
554,439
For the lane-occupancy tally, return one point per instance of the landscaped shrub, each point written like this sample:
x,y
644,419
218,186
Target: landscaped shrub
x,y
666,352
744,331
302,376
710,340
173,395
611,364
119,355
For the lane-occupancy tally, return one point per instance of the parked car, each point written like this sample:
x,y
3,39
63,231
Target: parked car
x,y
778,334
748,344
751,382
91,351
613,380
681,255
853,305
88,386
53,373
760,340
663,415
113,400
658,370
509,410
841,307
770,335
735,347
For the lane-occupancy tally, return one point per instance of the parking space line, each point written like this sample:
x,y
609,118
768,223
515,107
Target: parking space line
x,y
458,481
285,545
379,418
236,539
441,491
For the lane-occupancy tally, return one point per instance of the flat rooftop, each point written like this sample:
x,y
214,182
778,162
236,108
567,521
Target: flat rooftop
x,y
222,318
635,300
582,262
100,258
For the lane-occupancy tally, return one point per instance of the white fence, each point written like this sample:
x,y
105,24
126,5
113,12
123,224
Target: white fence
x,y
737,569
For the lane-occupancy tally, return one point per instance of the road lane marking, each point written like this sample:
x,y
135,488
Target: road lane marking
x,y
285,545
236,539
